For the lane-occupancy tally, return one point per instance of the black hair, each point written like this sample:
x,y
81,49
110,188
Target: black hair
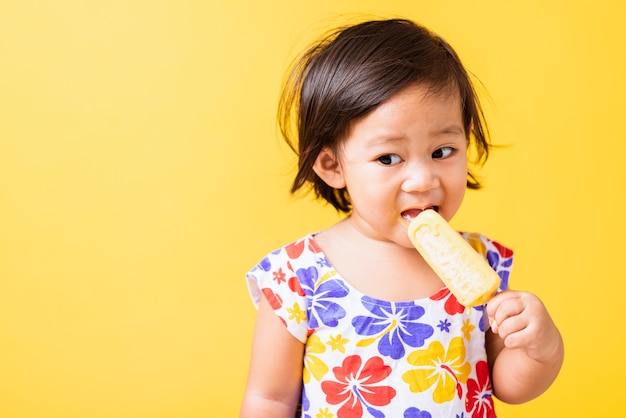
x,y
351,71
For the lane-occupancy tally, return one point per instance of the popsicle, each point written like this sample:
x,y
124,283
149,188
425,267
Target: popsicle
x,y
464,271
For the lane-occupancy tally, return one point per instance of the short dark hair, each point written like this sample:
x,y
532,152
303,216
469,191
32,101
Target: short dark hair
x,y
351,71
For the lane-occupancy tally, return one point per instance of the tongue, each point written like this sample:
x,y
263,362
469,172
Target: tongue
x,y
410,214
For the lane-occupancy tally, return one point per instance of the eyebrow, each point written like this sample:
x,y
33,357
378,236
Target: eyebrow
x,y
385,139
450,129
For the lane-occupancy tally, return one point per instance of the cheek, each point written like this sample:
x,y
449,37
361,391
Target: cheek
x,y
462,175
456,187
456,174
461,193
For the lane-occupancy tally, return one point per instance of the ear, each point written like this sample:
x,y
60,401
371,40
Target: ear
x,y
327,167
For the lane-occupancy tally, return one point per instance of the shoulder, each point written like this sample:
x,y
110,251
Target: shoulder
x,y
281,274
301,251
280,278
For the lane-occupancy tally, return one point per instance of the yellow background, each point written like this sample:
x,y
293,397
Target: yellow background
x,y
141,175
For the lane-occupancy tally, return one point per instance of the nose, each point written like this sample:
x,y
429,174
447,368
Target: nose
x,y
420,178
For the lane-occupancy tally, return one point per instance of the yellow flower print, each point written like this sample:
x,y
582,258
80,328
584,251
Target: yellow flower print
x,y
296,313
324,413
473,239
436,366
337,343
325,278
467,329
313,365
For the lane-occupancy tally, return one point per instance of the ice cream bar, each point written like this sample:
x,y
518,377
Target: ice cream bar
x,y
464,271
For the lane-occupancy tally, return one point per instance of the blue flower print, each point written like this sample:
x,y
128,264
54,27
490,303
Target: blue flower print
x,y
394,325
484,322
444,325
322,262
413,412
322,292
265,264
504,279
502,265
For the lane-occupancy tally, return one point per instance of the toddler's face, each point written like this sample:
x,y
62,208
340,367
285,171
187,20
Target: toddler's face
x,y
407,155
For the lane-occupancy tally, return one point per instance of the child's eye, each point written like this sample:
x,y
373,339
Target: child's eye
x,y
442,153
389,159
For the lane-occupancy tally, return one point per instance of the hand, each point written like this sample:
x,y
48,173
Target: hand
x,y
522,322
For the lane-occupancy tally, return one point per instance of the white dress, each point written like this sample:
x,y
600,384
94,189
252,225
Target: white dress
x,y
366,357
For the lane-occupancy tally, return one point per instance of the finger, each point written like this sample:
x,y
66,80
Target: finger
x,y
494,303
525,338
505,308
514,331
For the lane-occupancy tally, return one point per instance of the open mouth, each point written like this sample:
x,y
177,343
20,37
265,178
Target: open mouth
x,y
410,214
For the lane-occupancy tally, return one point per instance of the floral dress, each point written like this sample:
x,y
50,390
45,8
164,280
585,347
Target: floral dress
x,y
366,357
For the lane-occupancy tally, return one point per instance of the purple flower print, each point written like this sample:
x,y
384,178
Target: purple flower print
x,y
323,293
265,264
497,262
444,325
501,261
394,325
413,412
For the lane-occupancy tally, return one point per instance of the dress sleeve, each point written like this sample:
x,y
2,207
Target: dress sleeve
x,y
274,279
499,257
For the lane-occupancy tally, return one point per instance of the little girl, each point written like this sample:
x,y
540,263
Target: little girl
x,y
351,320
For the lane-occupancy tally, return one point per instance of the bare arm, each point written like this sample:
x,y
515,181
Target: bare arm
x,y
275,376
525,349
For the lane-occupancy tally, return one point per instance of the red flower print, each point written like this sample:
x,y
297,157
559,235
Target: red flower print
x,y
294,285
504,252
295,249
355,386
313,247
274,299
279,276
452,306
479,401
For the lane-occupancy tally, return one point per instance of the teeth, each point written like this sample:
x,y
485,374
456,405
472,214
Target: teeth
x,y
410,214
